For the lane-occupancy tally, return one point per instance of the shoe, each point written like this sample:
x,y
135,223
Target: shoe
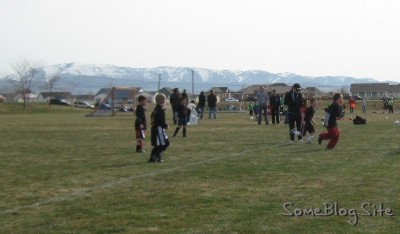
x,y
301,140
160,161
319,140
152,160
140,151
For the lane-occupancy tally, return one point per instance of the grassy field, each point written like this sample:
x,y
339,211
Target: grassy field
x,y
62,172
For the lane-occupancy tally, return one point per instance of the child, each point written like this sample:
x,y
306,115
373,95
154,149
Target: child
x,y
159,138
335,111
140,124
182,117
308,122
251,108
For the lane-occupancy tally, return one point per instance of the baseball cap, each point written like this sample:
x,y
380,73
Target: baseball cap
x,y
297,86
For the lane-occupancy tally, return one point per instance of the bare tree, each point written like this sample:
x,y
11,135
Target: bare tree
x,y
51,80
25,71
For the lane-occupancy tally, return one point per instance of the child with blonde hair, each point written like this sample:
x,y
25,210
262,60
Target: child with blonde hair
x,y
159,138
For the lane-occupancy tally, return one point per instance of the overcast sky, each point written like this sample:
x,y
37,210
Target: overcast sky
x,y
357,38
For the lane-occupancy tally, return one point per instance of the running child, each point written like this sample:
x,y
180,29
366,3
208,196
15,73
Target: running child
x,y
334,111
308,121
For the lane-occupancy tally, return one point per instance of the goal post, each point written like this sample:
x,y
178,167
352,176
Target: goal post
x,y
118,101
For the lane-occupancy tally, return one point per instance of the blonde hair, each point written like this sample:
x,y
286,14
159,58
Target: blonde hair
x,y
160,98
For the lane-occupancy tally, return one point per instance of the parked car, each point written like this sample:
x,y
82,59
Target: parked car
x,y
104,106
59,101
231,100
83,105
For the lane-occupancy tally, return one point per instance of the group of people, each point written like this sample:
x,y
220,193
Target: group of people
x,y
300,113
260,108
299,117
159,138
181,115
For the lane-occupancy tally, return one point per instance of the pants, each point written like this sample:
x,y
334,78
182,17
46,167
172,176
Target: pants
x,y
262,112
201,108
174,115
332,135
156,152
275,114
294,121
212,110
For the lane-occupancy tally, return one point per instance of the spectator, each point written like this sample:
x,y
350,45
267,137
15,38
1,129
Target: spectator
x,y
212,104
275,103
202,103
294,100
262,99
175,101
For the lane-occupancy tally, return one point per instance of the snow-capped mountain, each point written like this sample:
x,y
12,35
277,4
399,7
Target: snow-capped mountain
x,y
89,78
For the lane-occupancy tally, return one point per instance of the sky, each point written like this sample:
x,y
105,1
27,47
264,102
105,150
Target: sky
x,y
355,38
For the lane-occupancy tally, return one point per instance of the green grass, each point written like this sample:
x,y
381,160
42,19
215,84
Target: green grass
x,y
62,172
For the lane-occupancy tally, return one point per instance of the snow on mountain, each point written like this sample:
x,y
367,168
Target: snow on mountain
x,y
84,78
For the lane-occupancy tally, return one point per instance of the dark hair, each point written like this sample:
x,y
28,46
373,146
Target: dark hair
x,y
141,98
313,99
183,98
336,96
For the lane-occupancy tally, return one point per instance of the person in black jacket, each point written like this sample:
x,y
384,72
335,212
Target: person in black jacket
x,y
202,103
182,117
212,104
294,100
175,100
159,138
275,104
140,124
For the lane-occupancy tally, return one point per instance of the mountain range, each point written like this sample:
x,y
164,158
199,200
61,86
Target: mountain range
x,y
89,78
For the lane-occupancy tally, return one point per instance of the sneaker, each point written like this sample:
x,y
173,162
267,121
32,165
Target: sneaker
x,y
301,140
140,151
319,140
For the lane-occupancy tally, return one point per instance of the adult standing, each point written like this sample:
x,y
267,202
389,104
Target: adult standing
x,y
390,105
202,103
184,94
275,103
212,104
294,101
175,101
364,105
262,98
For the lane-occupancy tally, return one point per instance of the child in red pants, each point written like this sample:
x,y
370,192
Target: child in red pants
x,y
335,111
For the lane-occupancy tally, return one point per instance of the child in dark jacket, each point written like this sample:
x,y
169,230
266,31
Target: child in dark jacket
x,y
182,117
140,124
308,121
159,138
334,111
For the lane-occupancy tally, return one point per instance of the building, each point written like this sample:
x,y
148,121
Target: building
x,y
375,90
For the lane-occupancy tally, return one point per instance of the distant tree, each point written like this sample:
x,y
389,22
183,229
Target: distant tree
x,y
51,80
24,72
